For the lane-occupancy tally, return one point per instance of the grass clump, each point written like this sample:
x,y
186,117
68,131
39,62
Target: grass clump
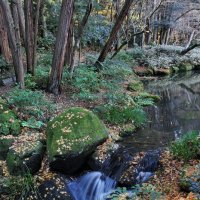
x,y
18,187
187,147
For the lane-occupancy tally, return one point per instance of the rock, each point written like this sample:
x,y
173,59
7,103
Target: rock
x,y
102,154
190,182
127,130
162,71
54,188
9,124
143,71
72,137
5,143
25,154
140,168
135,86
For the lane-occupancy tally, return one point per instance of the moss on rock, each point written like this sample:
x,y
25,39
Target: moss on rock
x,y
9,124
185,66
25,154
5,143
147,95
135,86
76,132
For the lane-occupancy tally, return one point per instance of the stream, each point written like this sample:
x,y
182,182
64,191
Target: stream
x,y
177,113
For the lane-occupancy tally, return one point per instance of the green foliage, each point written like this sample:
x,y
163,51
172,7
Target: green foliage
x,y
137,192
123,108
121,115
3,64
87,81
20,188
137,53
9,124
142,100
33,102
125,56
46,42
33,123
96,32
187,147
29,81
39,81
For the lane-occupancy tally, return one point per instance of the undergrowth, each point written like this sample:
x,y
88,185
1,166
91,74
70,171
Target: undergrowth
x,y
32,105
187,147
20,187
137,192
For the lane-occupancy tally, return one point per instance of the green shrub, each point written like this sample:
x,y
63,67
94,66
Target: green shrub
x,y
137,192
124,56
47,42
33,102
87,81
20,187
121,115
137,53
188,147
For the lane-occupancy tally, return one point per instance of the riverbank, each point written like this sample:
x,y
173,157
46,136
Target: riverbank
x,y
117,96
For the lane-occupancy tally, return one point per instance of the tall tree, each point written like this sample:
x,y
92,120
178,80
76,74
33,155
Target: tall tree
x,y
113,34
14,42
55,78
31,32
4,45
79,35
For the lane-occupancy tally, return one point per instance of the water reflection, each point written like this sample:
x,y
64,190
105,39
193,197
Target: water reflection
x,y
177,113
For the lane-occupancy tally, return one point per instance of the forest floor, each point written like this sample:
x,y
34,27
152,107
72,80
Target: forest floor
x,y
165,179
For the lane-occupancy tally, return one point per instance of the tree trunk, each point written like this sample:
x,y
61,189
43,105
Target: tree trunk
x,y
113,33
42,21
14,43
79,35
35,36
190,40
21,19
69,47
55,78
189,49
4,45
28,7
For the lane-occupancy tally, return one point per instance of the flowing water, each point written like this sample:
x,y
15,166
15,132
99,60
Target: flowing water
x,y
177,113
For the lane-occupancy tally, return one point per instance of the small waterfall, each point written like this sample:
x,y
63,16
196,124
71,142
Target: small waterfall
x,y
97,185
91,186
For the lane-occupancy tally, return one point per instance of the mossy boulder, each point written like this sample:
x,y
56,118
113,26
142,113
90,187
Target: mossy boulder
x,y
185,66
5,143
9,124
72,137
25,154
147,95
135,86
127,129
